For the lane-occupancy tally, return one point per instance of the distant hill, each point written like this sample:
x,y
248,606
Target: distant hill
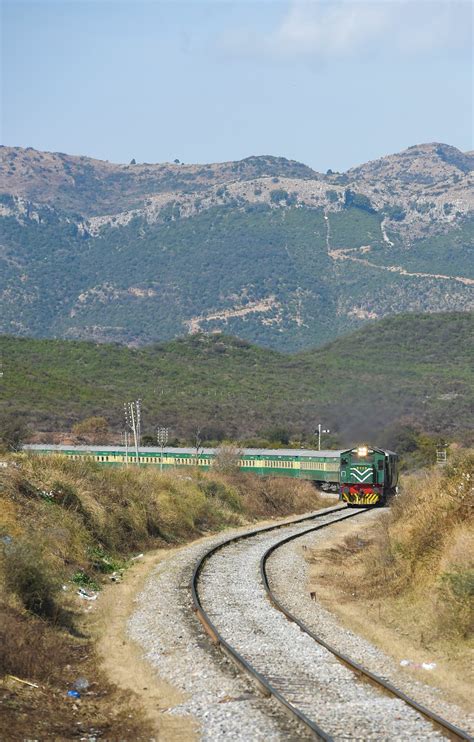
x,y
264,248
409,369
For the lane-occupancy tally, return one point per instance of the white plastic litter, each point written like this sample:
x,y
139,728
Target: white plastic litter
x,y
85,595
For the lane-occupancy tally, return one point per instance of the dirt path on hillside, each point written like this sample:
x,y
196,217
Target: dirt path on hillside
x,y
122,659
341,254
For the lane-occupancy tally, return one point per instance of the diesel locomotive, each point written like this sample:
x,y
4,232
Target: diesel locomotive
x,y
367,476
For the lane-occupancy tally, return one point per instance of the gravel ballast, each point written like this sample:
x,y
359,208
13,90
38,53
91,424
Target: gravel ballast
x,y
305,673
223,701
288,574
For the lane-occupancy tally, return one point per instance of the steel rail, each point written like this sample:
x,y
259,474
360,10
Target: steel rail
x,y
263,684
453,731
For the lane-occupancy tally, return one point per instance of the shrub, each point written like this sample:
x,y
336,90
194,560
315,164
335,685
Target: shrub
x,y
92,429
358,200
13,431
278,195
227,459
32,579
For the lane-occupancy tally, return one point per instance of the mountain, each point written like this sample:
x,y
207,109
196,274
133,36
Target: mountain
x,y
407,370
264,248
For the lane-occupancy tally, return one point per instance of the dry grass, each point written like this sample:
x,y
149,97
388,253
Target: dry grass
x,y
35,651
62,520
423,551
407,582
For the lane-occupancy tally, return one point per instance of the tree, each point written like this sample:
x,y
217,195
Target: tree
x,y
227,460
396,213
92,429
277,435
13,431
277,195
133,161
358,200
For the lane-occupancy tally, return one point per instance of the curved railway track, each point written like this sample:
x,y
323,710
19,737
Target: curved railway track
x,y
297,689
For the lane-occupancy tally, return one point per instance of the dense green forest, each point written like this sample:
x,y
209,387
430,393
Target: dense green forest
x,y
409,370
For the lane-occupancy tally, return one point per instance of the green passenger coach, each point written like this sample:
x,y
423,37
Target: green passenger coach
x,y
319,466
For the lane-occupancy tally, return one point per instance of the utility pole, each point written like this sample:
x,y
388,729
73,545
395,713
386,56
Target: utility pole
x,y
197,438
126,441
133,422
319,431
162,440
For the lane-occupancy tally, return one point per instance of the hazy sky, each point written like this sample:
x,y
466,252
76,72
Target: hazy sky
x,y
331,84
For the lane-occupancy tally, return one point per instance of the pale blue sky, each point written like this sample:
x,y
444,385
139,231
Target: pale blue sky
x,y
331,84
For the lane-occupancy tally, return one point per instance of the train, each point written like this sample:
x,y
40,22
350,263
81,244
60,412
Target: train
x,y
361,476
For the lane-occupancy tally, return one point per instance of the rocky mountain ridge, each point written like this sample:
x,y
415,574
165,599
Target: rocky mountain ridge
x,y
421,190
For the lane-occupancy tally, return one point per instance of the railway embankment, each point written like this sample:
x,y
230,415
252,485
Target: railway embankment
x,y
406,582
67,528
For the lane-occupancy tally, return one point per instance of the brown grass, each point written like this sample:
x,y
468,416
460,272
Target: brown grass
x,y
31,648
408,579
35,651
61,519
423,550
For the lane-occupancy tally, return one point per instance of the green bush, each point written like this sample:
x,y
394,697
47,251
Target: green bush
x,y
332,196
397,213
358,200
278,194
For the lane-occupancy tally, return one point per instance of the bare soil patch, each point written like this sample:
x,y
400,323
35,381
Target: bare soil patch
x,y
123,662
51,661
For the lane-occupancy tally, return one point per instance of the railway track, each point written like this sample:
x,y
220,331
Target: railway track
x,y
315,683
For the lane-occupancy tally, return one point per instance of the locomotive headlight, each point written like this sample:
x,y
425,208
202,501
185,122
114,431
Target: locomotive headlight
x,y
362,451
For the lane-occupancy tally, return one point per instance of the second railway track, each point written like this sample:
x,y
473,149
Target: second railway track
x,y
231,597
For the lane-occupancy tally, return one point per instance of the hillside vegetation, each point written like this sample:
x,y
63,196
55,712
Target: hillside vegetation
x,y
265,248
66,528
414,370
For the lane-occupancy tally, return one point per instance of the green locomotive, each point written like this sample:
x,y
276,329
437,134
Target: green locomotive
x,y
361,476
368,476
